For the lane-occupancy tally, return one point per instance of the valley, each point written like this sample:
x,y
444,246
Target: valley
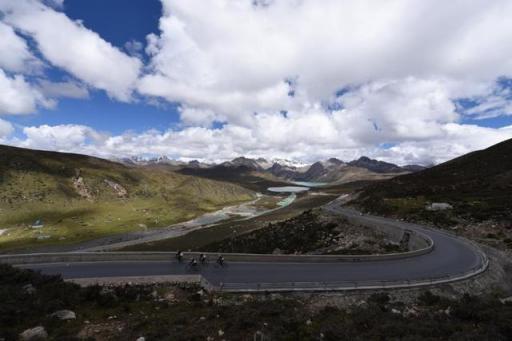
x,y
58,201
55,198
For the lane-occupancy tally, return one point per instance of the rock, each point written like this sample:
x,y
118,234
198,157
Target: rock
x,y
395,311
35,333
202,318
506,300
220,332
438,206
308,322
64,315
410,312
29,289
118,189
142,338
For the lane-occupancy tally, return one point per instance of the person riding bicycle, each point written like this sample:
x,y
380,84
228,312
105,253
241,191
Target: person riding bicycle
x,y
179,255
220,260
193,263
202,258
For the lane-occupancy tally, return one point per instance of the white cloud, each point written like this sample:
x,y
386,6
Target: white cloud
x,y
66,137
55,3
231,141
71,46
134,48
15,55
197,117
234,57
497,102
402,63
68,89
6,129
269,72
17,96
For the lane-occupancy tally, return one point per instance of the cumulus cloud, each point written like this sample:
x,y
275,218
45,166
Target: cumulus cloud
x,y
69,45
17,96
15,55
345,77
65,138
231,141
68,89
298,79
235,57
6,129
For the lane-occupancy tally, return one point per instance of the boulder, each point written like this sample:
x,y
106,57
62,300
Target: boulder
x,y
29,289
64,315
439,206
36,333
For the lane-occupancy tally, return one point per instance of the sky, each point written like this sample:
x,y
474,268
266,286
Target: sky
x,y
405,81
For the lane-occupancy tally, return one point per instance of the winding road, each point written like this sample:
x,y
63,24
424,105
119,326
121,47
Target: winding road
x,y
452,258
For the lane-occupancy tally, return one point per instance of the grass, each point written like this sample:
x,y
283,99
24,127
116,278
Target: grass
x,y
75,198
477,185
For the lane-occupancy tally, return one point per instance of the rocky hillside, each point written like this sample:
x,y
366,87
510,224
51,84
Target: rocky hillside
x,y
312,232
476,186
80,196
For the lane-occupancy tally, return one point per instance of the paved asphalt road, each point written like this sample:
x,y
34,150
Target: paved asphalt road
x,y
451,256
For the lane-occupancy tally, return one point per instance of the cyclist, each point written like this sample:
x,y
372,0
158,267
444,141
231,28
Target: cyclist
x,y
202,258
193,263
179,256
220,260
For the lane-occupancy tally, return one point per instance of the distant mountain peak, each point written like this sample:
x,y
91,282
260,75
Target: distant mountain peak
x,y
376,165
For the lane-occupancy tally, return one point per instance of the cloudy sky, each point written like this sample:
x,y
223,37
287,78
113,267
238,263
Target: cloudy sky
x,y
407,81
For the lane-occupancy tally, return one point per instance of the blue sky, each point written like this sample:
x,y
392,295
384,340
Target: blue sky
x,y
136,20
213,81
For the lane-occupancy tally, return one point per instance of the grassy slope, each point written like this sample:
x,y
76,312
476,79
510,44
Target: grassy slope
x,y
478,185
40,185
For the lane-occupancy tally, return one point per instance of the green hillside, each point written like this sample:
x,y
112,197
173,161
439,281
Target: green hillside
x,y
478,185
79,197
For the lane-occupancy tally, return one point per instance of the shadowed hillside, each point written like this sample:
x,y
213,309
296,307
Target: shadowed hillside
x,y
478,185
78,197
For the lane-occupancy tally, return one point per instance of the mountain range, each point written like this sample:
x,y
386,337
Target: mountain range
x,y
332,170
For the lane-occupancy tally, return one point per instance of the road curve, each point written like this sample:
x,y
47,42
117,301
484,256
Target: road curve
x,y
452,258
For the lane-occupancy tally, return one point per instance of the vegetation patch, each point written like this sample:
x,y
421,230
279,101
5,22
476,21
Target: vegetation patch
x,y
312,232
477,186
76,197
185,312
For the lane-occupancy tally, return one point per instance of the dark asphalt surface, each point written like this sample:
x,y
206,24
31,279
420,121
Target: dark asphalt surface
x,y
451,256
